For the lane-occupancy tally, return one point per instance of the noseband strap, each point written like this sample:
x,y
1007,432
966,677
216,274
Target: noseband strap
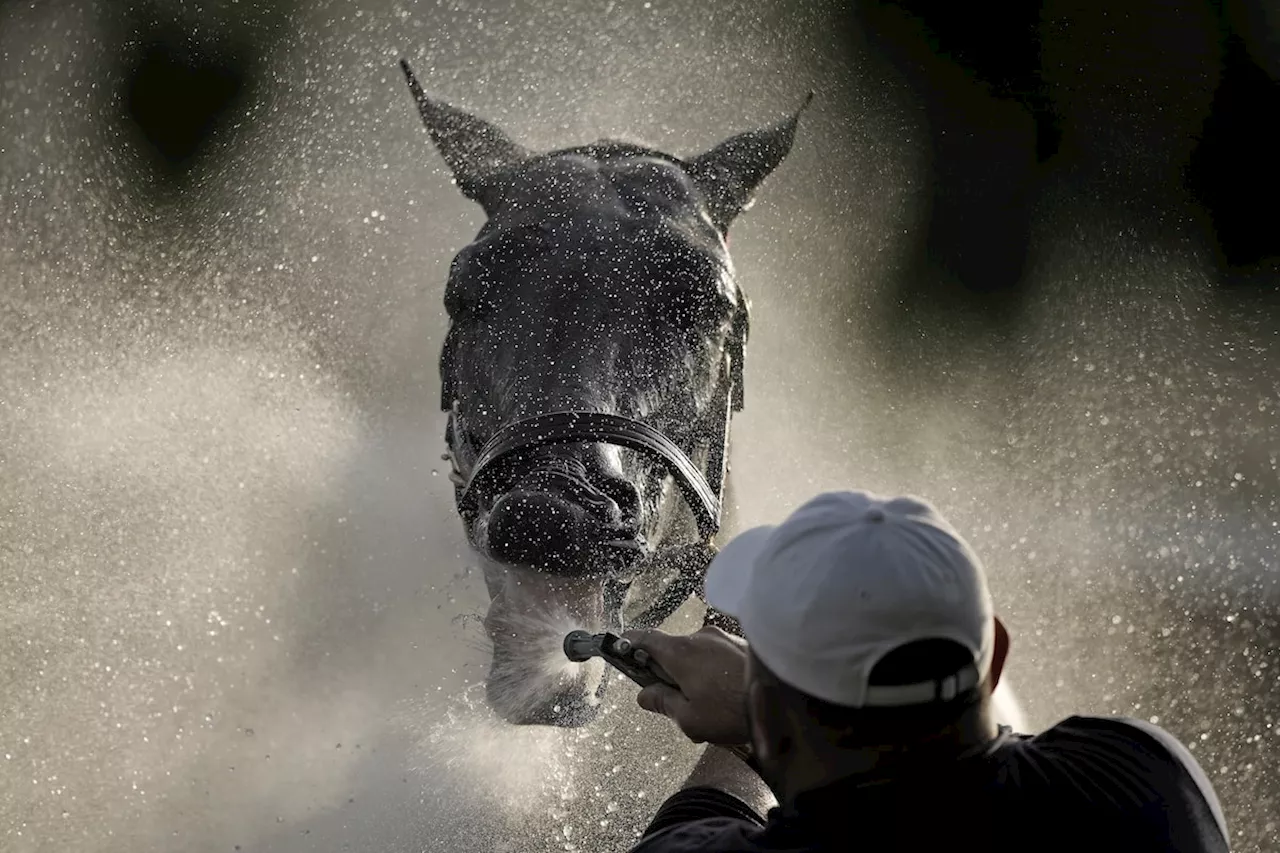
x,y
577,427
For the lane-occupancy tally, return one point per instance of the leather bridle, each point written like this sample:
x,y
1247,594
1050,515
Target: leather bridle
x,y
701,486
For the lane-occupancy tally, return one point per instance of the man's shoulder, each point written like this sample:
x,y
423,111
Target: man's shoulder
x,y
1124,742
1135,736
1127,761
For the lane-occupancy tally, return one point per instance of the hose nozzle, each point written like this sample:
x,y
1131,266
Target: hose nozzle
x,y
581,646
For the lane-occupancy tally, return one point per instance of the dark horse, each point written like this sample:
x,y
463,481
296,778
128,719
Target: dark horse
x,y
591,368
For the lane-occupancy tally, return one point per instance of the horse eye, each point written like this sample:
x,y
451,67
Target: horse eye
x,y
695,304
470,289
691,284
480,272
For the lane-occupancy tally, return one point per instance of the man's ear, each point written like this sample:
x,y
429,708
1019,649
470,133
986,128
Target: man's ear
x,y
1000,653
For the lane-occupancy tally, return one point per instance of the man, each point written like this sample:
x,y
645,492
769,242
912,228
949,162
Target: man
x,y
863,689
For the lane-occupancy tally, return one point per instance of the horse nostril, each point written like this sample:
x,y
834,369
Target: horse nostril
x,y
598,502
605,498
625,495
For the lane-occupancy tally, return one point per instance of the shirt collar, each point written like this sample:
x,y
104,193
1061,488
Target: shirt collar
x,y
843,800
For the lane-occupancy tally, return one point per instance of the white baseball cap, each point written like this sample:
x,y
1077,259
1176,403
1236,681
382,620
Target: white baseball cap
x,y
846,579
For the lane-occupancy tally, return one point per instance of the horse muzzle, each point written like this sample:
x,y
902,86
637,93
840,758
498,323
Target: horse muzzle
x,y
556,521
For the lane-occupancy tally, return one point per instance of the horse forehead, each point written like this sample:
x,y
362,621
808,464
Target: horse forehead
x,y
599,198
560,204
585,179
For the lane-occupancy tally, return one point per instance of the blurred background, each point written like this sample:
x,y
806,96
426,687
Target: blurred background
x,y
1023,264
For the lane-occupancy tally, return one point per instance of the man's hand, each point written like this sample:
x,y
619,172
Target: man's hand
x,y
710,667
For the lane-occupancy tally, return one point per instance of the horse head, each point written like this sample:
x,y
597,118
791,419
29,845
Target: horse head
x,y
593,358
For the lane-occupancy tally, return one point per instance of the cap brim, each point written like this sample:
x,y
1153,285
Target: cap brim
x,y
729,575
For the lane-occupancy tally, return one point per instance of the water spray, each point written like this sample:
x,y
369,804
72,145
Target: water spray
x,y
618,652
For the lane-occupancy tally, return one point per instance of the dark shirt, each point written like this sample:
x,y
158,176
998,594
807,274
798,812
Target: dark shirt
x,y
1092,784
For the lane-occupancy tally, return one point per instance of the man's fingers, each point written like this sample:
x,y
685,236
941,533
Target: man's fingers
x,y
671,703
660,699
670,651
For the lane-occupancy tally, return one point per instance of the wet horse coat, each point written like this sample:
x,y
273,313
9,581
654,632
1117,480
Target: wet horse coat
x,y
592,364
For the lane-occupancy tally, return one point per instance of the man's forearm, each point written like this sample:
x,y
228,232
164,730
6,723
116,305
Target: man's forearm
x,y
720,787
720,769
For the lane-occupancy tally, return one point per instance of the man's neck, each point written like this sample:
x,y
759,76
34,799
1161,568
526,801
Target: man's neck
x,y
816,768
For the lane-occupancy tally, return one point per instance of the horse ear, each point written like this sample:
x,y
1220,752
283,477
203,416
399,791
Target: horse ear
x,y
474,149
729,174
